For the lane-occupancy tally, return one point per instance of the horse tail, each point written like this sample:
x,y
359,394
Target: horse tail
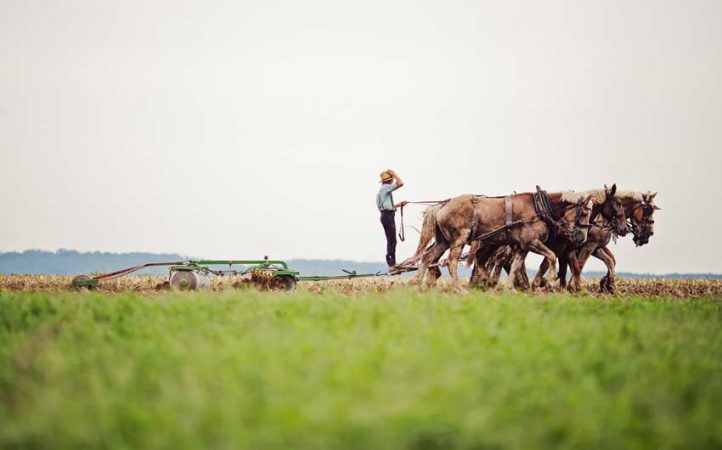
x,y
428,232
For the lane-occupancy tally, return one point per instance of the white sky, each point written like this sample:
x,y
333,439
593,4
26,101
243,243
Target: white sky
x,y
236,129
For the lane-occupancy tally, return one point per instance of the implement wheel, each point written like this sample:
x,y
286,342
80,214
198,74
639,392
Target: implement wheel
x,y
284,283
186,280
79,281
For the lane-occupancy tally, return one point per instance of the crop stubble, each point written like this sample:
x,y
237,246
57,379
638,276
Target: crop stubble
x,y
646,287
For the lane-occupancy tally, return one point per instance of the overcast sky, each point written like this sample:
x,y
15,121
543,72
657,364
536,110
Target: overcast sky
x,y
235,129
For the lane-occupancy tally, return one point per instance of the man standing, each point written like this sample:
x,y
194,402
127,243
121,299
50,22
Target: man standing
x,y
390,181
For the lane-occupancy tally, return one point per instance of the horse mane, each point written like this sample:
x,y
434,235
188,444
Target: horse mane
x,y
600,195
633,195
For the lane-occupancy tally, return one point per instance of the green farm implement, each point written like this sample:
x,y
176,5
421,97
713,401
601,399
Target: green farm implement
x,y
190,275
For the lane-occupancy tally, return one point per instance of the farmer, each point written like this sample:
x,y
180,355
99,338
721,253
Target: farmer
x,y
390,181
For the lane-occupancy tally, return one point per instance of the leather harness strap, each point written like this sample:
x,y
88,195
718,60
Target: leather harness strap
x,y
543,207
508,221
475,219
507,207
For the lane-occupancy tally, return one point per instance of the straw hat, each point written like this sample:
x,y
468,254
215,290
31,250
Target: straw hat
x,y
386,176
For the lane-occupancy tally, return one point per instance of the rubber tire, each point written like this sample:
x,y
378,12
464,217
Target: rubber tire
x,y
78,279
285,283
178,277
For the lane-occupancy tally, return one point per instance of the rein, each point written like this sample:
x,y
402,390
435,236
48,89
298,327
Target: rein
x,y
402,231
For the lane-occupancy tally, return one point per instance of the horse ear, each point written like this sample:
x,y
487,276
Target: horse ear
x,y
651,196
610,191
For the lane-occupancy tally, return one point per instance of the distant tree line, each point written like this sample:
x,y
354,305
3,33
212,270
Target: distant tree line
x,y
68,262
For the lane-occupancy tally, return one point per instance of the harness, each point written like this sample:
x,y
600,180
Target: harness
x,y
508,222
578,219
475,218
543,209
546,211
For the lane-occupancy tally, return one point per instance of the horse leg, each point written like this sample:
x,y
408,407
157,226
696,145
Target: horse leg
x,y
426,259
613,276
564,259
433,257
506,258
516,263
571,258
584,253
608,259
434,275
475,268
475,275
480,275
522,279
499,262
539,248
539,278
612,282
609,253
453,261
495,263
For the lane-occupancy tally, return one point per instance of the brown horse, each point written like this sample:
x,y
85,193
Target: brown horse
x,y
610,208
606,204
463,219
639,208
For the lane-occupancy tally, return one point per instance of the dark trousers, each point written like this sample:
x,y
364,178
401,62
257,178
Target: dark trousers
x,y
389,223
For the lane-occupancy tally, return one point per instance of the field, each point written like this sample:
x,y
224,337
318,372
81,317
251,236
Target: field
x,y
362,365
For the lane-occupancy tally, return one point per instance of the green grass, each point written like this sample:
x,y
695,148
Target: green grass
x,y
398,370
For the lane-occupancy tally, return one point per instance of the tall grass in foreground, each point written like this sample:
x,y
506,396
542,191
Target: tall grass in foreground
x,y
393,370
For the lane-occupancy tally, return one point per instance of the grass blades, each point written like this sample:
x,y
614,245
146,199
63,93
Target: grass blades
x,y
399,369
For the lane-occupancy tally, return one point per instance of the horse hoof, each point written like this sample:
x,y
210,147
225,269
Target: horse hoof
x,y
611,288
604,285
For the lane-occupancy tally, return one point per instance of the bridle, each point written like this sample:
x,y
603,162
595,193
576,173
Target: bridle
x,y
611,217
563,227
608,219
641,229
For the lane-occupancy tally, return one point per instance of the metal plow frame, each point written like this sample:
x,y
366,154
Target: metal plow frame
x,y
271,274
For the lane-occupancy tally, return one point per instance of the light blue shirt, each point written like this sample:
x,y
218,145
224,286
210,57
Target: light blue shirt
x,y
384,199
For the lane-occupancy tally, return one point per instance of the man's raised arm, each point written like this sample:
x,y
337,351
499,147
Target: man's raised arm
x,y
399,181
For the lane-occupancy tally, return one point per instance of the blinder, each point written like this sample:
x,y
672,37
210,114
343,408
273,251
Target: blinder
x,y
642,232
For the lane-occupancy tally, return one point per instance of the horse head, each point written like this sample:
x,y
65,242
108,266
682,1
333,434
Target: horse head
x,y
613,210
642,220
